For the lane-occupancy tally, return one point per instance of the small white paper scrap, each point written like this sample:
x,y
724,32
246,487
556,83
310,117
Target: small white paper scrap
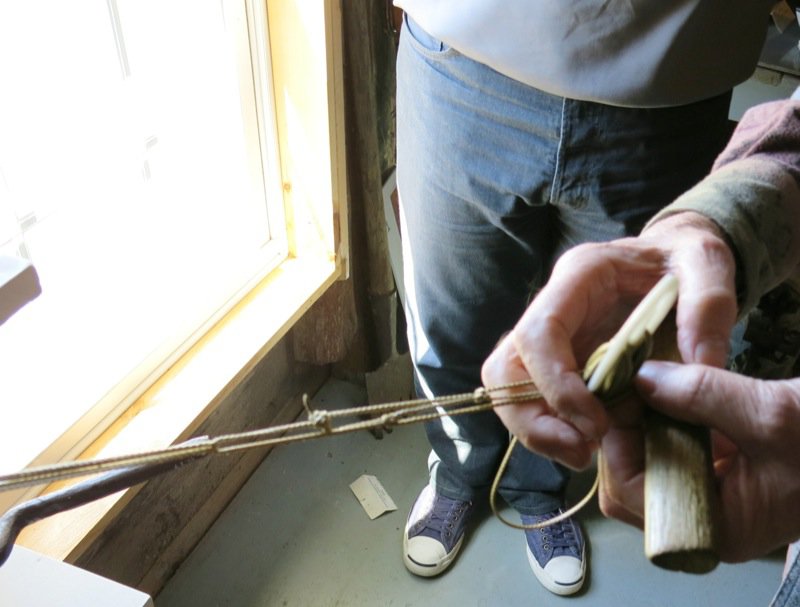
x,y
372,495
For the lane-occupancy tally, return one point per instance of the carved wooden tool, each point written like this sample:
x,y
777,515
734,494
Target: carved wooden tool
x,y
679,493
680,499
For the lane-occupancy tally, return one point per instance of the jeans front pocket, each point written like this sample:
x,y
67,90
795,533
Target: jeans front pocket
x,y
423,39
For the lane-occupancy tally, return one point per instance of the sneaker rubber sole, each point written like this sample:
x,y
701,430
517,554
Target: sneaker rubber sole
x,y
561,589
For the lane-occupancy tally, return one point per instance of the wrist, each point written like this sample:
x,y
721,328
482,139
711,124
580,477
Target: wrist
x,y
684,220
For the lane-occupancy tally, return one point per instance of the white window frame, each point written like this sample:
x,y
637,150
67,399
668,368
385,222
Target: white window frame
x,y
265,168
308,88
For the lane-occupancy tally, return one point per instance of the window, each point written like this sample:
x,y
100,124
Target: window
x,y
140,172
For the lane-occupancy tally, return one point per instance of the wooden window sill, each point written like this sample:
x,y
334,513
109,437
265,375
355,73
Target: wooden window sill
x,y
177,403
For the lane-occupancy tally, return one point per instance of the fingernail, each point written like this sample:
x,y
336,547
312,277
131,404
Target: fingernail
x,y
646,378
712,352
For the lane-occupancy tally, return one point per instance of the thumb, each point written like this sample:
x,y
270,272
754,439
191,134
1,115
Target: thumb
x,y
704,396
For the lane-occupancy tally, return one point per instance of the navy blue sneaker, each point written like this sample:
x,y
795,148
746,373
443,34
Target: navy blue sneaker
x,y
434,532
556,553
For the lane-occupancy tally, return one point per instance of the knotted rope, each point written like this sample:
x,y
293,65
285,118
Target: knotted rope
x,y
608,373
320,423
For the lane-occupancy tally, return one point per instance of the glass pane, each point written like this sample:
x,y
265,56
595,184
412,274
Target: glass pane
x,y
126,177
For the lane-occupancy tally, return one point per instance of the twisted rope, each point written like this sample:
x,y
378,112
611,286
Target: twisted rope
x,y
385,415
608,373
320,423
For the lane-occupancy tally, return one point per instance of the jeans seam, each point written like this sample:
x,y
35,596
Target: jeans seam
x,y
558,169
789,591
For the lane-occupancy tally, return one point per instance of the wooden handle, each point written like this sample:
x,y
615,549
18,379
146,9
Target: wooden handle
x,y
680,498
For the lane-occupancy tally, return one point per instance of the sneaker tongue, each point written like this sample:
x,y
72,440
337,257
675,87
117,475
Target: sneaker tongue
x,y
563,540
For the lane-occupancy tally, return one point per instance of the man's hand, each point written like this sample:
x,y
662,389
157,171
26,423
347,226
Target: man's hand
x,y
756,430
590,293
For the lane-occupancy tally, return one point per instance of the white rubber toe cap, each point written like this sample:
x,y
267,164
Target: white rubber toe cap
x,y
563,575
427,557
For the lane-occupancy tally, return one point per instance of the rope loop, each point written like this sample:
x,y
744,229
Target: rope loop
x,y
615,385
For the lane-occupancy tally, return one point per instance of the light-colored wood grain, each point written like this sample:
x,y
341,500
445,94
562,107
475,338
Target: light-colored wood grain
x,y
680,499
306,59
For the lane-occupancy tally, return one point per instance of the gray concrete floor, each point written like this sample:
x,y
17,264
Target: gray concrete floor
x,y
296,536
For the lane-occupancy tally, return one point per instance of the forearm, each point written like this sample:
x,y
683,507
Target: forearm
x,y
753,196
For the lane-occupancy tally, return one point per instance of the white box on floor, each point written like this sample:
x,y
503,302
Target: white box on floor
x,y
28,579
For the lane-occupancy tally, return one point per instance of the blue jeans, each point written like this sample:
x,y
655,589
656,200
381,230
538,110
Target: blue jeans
x,y
788,594
496,179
